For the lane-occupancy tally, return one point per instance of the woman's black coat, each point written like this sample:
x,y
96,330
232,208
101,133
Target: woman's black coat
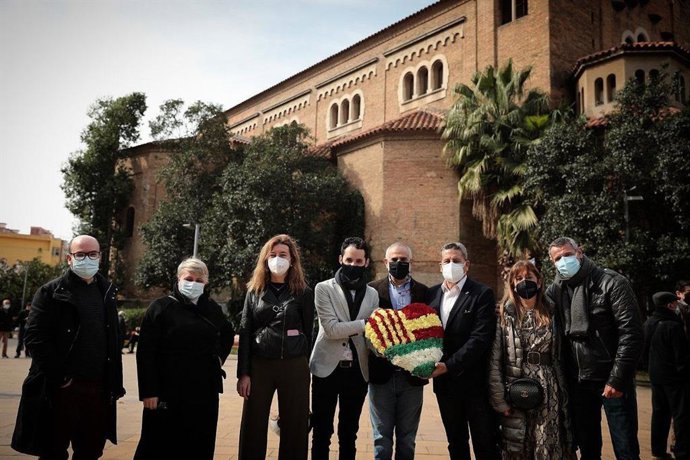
x,y
182,348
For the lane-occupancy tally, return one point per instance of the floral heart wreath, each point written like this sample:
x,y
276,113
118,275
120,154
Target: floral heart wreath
x,y
410,338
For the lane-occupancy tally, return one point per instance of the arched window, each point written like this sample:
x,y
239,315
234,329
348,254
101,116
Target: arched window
x,y
344,111
629,40
422,80
598,91
436,75
610,87
334,116
408,86
639,76
129,222
356,107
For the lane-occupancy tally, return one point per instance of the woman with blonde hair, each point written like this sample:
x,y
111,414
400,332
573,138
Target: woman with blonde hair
x,y
275,343
183,342
525,354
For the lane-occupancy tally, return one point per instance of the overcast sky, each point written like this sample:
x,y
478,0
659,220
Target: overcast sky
x,y
58,56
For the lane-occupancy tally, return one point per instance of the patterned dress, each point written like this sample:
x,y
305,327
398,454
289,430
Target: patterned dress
x,y
545,437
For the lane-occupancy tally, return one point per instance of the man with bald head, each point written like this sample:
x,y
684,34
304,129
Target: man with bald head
x,y
75,378
395,395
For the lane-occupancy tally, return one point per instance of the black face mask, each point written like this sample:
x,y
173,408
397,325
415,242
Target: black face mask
x,y
352,272
686,298
527,289
399,269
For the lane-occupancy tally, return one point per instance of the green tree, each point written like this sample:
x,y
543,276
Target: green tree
x,y
577,179
36,274
199,146
96,183
280,188
241,195
488,131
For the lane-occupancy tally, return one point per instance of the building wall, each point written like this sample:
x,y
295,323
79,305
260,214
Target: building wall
x,y
145,164
411,196
24,248
466,35
624,68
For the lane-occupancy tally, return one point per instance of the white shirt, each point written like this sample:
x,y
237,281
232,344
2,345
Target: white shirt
x,y
450,296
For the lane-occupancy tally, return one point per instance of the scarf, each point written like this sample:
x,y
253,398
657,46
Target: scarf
x,y
575,300
360,288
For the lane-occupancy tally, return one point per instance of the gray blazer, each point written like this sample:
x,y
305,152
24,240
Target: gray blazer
x,y
335,328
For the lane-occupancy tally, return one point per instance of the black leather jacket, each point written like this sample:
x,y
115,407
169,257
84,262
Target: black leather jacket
x,y
612,349
275,327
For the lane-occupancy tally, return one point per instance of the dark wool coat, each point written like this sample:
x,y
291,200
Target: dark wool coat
x,y
666,351
181,351
51,332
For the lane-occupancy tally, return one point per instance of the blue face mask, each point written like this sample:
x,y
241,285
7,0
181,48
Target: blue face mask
x,y
568,266
86,268
190,289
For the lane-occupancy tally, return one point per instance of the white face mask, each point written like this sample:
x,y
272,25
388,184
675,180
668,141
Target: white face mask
x,y
453,272
86,268
278,265
190,289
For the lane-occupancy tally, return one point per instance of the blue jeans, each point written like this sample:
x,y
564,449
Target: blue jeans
x,y
621,415
395,406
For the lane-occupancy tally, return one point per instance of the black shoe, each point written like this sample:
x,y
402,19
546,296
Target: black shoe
x,y
17,356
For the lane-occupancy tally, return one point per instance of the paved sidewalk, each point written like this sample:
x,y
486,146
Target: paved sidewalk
x,y
431,440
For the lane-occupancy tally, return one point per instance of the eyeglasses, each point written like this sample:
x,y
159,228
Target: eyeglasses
x,y
93,255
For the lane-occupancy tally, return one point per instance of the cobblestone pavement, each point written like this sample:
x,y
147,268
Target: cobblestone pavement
x,y
431,441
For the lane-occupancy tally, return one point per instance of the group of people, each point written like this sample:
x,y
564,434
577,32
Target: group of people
x,y
576,344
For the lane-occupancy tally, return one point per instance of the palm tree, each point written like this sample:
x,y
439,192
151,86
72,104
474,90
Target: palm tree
x,y
488,131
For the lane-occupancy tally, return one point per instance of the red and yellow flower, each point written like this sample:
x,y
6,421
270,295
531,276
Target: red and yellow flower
x,y
410,338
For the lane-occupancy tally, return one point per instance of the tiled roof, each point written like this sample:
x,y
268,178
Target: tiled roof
x,y
630,48
598,122
321,150
603,120
418,120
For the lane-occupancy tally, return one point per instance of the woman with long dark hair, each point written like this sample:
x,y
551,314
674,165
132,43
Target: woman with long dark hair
x,y
527,346
274,348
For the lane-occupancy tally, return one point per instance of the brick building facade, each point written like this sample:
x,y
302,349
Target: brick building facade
x,y
376,106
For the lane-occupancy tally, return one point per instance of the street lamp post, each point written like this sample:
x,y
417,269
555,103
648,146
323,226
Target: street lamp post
x,y
196,240
26,275
196,237
627,198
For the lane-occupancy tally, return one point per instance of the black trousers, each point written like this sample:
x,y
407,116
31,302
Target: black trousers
x,y
671,402
183,430
290,378
80,418
347,387
586,401
470,405
20,340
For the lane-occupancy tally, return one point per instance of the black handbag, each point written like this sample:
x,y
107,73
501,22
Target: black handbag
x,y
525,393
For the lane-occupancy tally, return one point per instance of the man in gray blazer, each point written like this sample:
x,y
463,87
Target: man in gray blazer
x,y
339,360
